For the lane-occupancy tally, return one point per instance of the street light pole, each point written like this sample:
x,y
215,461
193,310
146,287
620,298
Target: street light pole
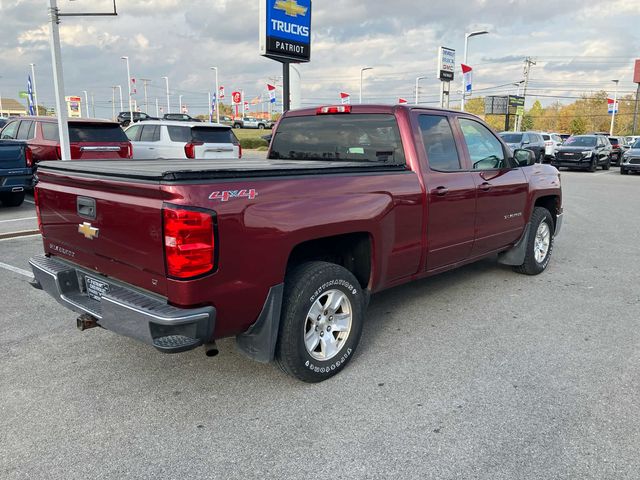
x,y
217,94
168,101
58,81
180,102
35,90
615,100
417,80
145,81
86,101
121,103
467,36
362,70
113,103
125,58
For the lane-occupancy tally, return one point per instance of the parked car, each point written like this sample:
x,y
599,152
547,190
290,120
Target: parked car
x,y
16,172
618,147
180,117
124,118
552,141
632,139
585,152
252,122
226,120
89,138
3,121
631,159
182,140
528,140
284,252
564,136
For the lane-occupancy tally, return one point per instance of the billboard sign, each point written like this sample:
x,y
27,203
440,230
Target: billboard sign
x,y
285,30
74,107
446,64
636,72
516,101
496,105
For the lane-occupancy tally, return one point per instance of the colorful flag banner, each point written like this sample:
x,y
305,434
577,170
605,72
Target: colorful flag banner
x,y
272,93
221,92
467,75
256,100
134,90
345,98
32,110
402,100
610,106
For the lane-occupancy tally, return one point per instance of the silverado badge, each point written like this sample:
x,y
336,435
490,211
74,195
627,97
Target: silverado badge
x,y
88,231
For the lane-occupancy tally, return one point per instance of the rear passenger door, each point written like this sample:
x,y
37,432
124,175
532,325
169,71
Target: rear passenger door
x,y
502,189
451,194
148,140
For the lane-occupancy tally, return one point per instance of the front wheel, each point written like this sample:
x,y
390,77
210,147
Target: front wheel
x,y
607,165
321,323
261,127
594,165
539,243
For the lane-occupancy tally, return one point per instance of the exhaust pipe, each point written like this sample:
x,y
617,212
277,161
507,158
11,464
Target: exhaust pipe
x,y
211,349
86,321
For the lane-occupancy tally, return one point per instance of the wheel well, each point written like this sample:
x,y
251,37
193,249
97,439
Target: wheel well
x,y
551,203
352,251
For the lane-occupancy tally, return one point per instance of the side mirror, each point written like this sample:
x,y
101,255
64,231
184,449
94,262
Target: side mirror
x,y
526,142
524,158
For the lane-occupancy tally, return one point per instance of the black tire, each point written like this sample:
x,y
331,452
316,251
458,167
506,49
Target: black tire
x,y
14,199
237,125
607,165
531,266
594,165
624,171
304,286
260,126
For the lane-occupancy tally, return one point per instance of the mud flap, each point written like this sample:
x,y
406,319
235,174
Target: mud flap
x,y
515,256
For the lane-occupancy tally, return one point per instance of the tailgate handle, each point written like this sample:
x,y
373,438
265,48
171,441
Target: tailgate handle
x,y
87,207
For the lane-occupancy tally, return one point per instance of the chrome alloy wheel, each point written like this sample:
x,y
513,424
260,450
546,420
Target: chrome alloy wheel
x,y
328,325
542,242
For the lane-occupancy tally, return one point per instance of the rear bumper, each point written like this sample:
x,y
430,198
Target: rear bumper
x,y
125,310
15,180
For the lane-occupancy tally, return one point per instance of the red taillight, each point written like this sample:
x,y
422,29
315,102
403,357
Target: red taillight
x,y
28,156
189,243
129,150
334,109
59,152
548,143
36,199
190,149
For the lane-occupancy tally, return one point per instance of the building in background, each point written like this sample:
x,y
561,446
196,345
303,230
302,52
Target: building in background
x,y
11,108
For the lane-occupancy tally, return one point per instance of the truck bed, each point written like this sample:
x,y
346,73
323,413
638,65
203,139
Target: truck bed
x,y
178,170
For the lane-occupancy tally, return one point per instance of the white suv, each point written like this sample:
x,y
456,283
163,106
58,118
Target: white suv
x,y
552,141
154,139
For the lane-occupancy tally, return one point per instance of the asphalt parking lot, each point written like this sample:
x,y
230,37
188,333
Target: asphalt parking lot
x,y
479,373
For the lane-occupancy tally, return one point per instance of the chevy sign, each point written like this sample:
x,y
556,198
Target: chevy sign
x,y
285,30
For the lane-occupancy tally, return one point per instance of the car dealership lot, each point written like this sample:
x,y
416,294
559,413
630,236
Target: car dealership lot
x,y
477,373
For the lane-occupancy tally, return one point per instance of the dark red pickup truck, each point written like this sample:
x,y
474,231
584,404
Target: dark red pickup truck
x,y
283,253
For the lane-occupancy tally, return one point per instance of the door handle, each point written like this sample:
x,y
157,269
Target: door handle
x,y
485,186
441,191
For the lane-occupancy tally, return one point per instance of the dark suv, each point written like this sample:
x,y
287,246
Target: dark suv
x,y
585,152
124,118
528,140
180,117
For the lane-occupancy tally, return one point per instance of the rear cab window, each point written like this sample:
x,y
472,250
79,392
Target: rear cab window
x,y
213,135
373,138
439,143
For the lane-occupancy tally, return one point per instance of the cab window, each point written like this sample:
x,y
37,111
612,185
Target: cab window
x,y
10,130
439,143
485,151
132,132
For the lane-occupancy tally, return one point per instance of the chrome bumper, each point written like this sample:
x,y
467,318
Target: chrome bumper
x,y
124,309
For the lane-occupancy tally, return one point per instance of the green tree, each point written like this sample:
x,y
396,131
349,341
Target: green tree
x,y
578,126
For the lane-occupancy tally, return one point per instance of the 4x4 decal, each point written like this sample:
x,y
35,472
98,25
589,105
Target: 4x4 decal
x,y
226,195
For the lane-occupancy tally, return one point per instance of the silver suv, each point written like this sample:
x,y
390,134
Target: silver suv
x,y
182,140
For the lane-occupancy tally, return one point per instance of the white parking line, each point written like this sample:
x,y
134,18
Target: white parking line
x,y
19,237
13,269
30,201
18,219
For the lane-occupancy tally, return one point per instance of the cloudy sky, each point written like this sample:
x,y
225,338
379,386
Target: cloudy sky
x,y
579,48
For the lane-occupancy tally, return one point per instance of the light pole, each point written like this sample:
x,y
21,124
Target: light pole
x,y
417,80
145,81
121,104
86,101
58,80
166,79
126,59
615,100
467,36
35,90
217,94
180,102
362,70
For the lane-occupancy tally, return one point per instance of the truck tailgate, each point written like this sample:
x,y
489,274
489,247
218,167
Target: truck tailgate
x,y
114,228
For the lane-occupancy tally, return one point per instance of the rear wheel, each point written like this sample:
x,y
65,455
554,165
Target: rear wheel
x,y
13,199
261,127
539,243
236,125
607,165
322,316
624,171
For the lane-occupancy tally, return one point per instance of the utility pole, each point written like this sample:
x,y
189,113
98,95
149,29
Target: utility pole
x,y
93,106
113,103
126,59
166,79
145,81
86,102
157,108
528,63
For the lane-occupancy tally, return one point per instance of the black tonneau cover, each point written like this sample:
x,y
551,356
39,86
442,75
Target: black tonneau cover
x,y
176,170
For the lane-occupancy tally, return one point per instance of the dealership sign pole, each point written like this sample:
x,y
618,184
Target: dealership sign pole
x,y
445,73
636,79
285,36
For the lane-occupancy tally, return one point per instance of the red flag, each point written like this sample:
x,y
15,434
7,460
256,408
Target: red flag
x,y
345,98
402,100
467,74
272,93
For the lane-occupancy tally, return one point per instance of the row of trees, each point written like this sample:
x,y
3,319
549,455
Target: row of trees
x,y
587,114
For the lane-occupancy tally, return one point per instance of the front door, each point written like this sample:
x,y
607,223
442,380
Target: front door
x,y
451,194
502,189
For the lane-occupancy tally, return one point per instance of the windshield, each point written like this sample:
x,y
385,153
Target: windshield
x,y
636,144
339,137
581,141
511,137
213,135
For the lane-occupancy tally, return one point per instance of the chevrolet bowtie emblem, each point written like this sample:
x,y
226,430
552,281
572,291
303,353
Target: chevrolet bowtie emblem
x,y
88,231
290,8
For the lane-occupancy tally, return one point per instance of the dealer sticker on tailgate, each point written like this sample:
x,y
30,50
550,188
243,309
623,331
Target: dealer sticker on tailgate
x,y
96,289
